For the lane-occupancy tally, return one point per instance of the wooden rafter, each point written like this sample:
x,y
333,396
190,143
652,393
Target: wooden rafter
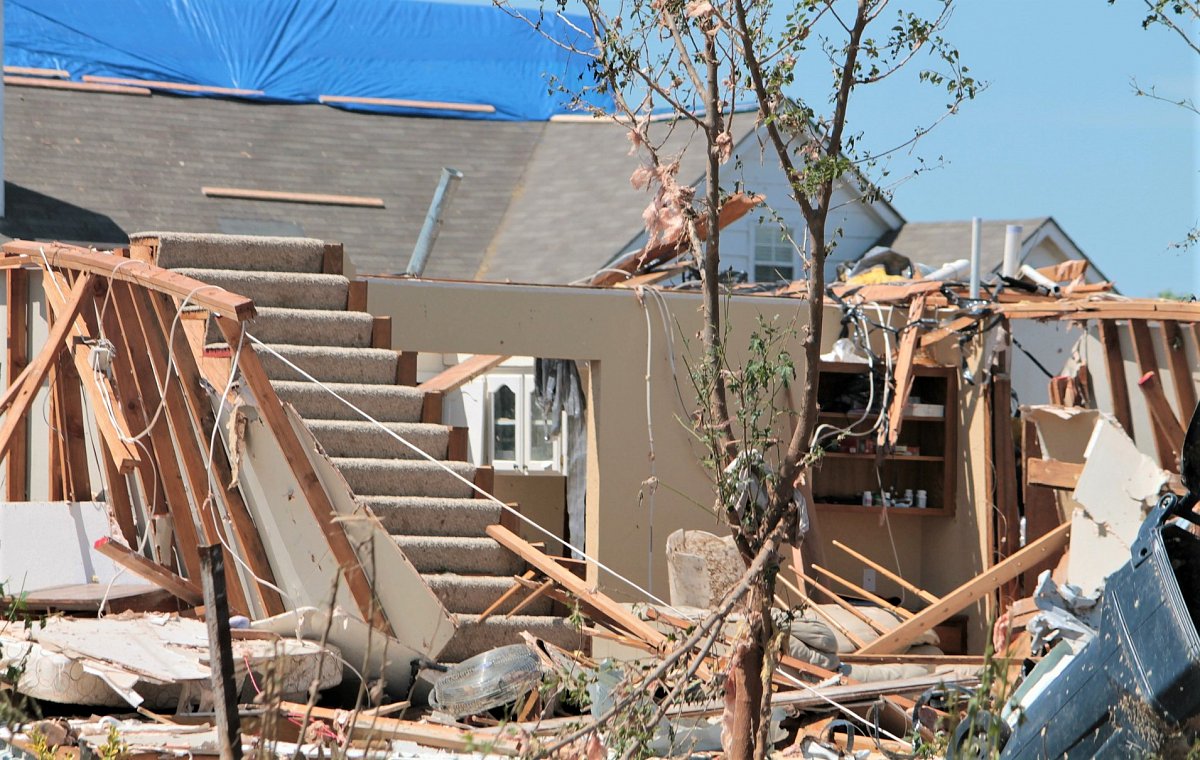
x,y
1143,349
17,359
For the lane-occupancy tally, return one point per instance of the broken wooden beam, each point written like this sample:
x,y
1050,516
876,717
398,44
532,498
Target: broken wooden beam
x,y
901,637
160,576
1162,417
894,577
1114,368
17,360
1052,473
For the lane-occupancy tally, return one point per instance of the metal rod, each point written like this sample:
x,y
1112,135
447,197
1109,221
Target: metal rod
x,y
976,242
433,221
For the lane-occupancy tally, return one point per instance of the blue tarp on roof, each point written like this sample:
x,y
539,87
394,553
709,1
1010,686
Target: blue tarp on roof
x,y
298,50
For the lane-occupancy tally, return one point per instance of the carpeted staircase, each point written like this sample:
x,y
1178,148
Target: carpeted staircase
x,y
434,517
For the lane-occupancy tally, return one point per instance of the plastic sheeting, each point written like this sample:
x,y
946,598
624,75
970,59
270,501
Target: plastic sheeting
x,y
298,50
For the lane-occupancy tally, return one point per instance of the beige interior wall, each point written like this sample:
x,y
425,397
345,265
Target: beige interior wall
x,y
541,498
614,329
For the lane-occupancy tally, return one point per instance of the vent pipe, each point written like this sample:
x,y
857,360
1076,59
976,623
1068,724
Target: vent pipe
x,y
433,221
976,240
1012,250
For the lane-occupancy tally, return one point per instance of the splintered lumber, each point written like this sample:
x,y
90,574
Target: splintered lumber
x,y
512,591
1181,373
899,638
952,327
182,431
95,385
847,606
320,199
461,373
830,619
1161,414
81,294
271,410
160,312
363,725
17,361
152,84
1143,349
130,364
1114,369
149,276
30,71
74,441
534,595
895,577
904,372
160,576
878,600
1052,473
118,499
601,603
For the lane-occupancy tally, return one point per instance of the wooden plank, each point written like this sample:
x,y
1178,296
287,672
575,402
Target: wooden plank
x,y
894,577
115,433
840,602
271,411
222,685
116,491
431,408
56,460
903,373
381,333
425,734
61,256
144,388
160,576
432,105
1052,473
901,637
863,593
81,294
70,404
61,84
406,368
1008,529
188,445
1175,349
248,539
31,71
333,259
153,84
17,360
282,196
462,373
1143,348
356,295
458,448
610,610
1162,416
1114,367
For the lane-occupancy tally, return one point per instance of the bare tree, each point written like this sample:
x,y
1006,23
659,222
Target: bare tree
x,y
694,62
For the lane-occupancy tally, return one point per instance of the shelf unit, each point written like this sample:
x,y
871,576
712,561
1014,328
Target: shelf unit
x,y
840,477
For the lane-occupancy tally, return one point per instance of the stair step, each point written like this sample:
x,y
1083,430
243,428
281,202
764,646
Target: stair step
x,y
405,477
423,516
459,554
386,403
372,366
308,327
243,252
346,438
473,594
292,290
497,631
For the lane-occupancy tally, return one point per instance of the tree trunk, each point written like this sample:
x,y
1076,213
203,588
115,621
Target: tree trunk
x,y
744,687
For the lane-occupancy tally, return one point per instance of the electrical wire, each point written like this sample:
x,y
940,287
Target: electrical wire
x,y
428,457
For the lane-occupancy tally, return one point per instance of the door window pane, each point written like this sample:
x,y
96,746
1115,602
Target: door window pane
x,y
504,424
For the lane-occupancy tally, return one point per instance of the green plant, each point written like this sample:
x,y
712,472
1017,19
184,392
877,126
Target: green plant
x,y
114,746
40,746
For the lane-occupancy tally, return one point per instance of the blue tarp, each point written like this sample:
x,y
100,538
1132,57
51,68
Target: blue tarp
x,y
297,50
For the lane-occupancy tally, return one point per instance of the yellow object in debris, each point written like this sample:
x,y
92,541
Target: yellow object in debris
x,y
874,276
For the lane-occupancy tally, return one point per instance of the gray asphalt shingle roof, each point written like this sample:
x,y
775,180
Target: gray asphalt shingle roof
x,y
546,202
937,243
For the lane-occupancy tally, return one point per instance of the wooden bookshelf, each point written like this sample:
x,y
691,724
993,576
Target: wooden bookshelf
x,y
840,477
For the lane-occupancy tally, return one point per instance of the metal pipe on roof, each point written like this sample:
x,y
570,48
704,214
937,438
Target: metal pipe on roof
x,y
433,221
976,241
1012,250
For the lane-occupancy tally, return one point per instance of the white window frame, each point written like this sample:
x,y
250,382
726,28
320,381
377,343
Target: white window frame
x,y
768,235
522,386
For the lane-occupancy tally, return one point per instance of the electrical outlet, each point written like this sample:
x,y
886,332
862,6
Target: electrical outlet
x,y
869,579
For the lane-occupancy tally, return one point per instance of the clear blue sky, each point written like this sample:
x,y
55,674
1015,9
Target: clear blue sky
x,y
1059,132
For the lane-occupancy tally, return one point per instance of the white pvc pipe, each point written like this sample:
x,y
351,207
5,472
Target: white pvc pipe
x,y
1038,278
955,270
1012,250
976,240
